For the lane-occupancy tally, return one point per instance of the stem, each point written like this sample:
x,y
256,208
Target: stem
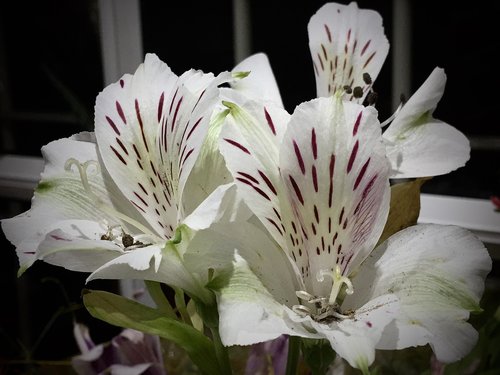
x,y
180,304
156,293
293,355
221,352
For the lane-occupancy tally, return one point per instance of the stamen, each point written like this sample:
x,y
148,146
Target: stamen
x,y
82,170
301,310
338,280
389,120
357,92
304,296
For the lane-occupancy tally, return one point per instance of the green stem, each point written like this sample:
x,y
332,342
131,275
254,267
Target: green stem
x,y
293,355
180,304
221,352
156,293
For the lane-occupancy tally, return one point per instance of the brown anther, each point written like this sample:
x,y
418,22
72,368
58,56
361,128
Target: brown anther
x,y
371,98
367,78
127,240
357,92
347,89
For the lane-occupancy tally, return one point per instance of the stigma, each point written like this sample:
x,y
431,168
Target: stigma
x,y
325,309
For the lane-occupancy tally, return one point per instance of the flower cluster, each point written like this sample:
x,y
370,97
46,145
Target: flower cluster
x,y
270,223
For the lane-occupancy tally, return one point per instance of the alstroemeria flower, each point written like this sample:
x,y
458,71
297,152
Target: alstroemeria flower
x,y
319,183
131,352
348,48
115,205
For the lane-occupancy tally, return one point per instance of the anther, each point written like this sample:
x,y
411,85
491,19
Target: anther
x,y
347,89
357,92
367,78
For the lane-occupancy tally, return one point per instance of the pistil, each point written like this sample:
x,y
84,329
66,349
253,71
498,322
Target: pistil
x,y
338,281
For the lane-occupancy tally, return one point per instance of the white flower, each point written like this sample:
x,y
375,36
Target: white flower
x,y
319,183
114,205
348,48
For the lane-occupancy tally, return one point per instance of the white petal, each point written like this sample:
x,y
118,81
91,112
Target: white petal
x,y
346,42
260,83
430,149
156,264
438,274
214,249
355,339
249,142
334,166
248,313
224,204
76,245
149,129
417,144
209,170
60,195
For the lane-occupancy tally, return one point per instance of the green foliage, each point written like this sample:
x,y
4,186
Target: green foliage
x,y
318,355
127,313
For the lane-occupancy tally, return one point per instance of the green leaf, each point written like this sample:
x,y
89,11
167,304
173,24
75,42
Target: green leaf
x,y
318,355
405,207
123,312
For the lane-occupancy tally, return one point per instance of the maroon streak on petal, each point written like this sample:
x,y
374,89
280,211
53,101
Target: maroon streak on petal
x,y
299,157
341,215
324,51
194,127
122,146
363,50
142,188
328,33
269,121
268,182
356,124
314,178
296,189
321,62
314,145
113,125
236,144
141,125
118,155
176,113
249,177
59,238
257,189
353,156
160,105
361,174
142,199
275,225
120,112
368,60
173,100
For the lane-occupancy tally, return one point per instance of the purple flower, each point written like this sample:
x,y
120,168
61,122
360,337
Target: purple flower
x,y
268,357
131,353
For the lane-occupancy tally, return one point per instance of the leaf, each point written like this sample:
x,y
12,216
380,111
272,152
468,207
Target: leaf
x,y
318,354
405,207
123,312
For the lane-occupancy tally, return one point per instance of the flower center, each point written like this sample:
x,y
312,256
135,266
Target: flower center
x,y
322,309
